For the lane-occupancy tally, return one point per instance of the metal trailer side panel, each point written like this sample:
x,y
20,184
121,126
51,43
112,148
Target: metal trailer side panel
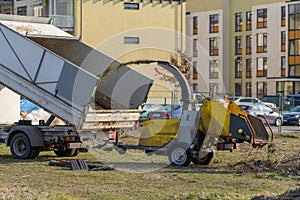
x,y
45,78
120,87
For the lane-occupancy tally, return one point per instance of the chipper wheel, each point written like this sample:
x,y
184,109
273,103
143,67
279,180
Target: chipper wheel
x,y
180,154
204,160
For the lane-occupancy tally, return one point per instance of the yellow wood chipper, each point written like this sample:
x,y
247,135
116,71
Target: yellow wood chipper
x,y
191,138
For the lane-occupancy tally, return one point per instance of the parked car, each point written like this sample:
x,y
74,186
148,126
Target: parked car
x,y
276,100
150,108
174,110
251,100
294,100
292,117
263,110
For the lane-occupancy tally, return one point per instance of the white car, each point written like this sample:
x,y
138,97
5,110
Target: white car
x,y
251,100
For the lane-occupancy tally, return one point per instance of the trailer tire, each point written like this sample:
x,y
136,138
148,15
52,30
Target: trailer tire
x,y
66,152
20,147
180,154
35,152
203,161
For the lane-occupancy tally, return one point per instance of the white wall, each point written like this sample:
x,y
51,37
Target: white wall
x,y
9,106
203,49
274,53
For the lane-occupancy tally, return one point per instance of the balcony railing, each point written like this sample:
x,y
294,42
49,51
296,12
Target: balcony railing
x,y
195,76
195,31
283,47
248,74
261,73
65,22
282,72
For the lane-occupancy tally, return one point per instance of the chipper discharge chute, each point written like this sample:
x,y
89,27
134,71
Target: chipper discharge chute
x,y
190,139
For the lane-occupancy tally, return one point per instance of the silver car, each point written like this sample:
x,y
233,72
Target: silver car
x,y
263,110
251,100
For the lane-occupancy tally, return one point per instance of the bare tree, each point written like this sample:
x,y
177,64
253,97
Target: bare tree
x,y
180,61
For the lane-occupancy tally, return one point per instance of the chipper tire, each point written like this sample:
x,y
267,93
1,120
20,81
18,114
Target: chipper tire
x,y
203,161
20,147
180,154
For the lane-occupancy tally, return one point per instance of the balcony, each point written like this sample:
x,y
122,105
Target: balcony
x,y
65,22
5,2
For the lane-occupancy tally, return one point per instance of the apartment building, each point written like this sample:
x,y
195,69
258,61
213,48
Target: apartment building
x,y
205,46
259,41
61,11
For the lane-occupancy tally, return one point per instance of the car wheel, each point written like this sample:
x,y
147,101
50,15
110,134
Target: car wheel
x,y
278,122
298,122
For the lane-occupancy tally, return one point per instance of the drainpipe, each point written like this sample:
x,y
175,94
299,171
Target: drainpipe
x,y
80,22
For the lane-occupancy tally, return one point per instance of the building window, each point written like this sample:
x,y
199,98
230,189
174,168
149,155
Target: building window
x,y
131,6
248,68
195,47
213,46
213,69
283,66
283,38
195,25
283,18
7,11
214,23
195,72
213,88
261,43
238,68
294,47
22,10
261,89
238,89
238,22
294,71
262,18
248,21
131,40
262,67
294,15
238,45
249,44
248,89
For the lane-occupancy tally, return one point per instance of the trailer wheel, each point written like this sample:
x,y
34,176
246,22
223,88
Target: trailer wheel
x,y
203,161
66,152
35,152
180,154
20,147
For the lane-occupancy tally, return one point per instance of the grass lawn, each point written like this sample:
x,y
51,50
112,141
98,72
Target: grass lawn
x,y
242,174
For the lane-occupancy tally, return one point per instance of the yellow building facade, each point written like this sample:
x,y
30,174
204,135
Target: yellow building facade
x,y
132,30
